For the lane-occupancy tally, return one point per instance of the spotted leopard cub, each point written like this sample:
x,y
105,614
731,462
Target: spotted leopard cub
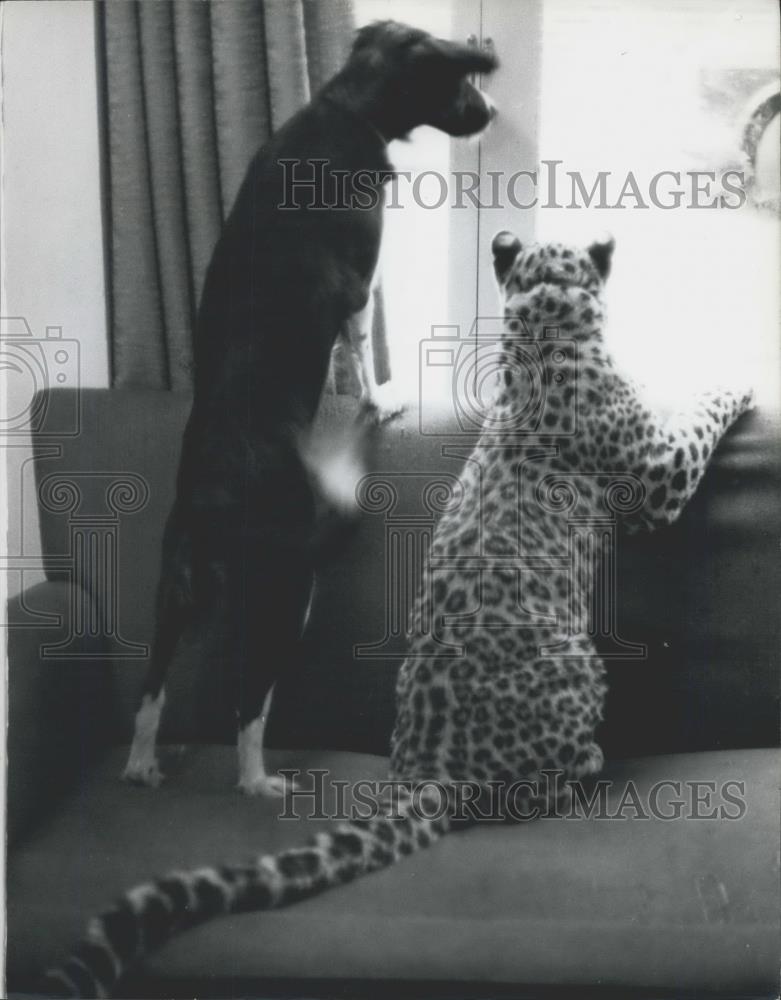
x,y
526,693
501,683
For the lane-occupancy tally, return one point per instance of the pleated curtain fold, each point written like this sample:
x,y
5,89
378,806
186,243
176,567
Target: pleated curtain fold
x,y
190,90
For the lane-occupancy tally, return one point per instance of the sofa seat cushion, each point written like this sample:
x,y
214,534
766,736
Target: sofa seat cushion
x,y
686,903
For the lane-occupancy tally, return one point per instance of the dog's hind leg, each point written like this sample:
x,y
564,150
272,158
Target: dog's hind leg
x,y
174,603
380,399
253,777
142,766
268,644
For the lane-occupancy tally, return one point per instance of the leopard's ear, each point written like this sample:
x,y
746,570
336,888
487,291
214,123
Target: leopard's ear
x,y
601,253
505,248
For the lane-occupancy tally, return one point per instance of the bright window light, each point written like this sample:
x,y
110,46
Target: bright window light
x,y
414,263
628,88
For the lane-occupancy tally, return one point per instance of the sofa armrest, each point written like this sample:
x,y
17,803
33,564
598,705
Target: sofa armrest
x,y
60,702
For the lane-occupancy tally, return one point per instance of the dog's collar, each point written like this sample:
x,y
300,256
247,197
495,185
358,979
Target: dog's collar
x,y
369,126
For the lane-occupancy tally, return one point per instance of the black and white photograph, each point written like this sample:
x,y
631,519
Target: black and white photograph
x,y
391,489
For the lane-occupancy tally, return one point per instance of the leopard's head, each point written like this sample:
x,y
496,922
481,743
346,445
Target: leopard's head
x,y
553,316
551,285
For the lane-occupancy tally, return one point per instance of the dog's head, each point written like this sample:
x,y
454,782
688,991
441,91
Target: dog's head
x,y
413,78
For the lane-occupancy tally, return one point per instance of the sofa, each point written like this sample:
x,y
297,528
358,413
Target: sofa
x,y
618,904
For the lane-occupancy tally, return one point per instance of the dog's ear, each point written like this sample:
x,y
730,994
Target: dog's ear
x,y
377,32
505,247
601,253
370,45
466,59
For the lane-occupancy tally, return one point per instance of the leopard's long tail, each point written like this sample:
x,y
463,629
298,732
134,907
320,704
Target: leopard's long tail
x,y
143,919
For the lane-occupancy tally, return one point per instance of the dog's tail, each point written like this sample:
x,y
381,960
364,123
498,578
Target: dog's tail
x,y
147,916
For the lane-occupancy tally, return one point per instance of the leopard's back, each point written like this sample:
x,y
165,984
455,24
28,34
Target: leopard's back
x,y
500,688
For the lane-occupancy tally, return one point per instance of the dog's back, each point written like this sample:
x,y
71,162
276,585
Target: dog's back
x,y
283,281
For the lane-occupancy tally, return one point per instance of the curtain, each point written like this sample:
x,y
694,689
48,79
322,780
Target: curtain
x,y
190,89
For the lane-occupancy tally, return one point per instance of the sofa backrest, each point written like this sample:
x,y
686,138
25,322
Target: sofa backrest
x,y
697,595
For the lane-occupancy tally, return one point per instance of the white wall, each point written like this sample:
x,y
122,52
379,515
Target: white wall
x,y
52,244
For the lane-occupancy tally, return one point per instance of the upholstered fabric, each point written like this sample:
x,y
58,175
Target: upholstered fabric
x,y
675,904
700,595
60,715
668,904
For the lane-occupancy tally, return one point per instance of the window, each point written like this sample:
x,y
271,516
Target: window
x,y
651,86
635,90
416,239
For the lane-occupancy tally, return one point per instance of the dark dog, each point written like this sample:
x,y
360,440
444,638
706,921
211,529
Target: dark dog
x,y
245,534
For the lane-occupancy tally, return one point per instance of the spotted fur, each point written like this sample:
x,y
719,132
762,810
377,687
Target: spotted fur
x,y
524,693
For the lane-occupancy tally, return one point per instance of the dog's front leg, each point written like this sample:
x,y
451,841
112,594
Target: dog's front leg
x,y
380,399
142,767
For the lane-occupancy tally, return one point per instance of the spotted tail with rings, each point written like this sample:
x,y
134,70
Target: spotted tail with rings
x,y
147,916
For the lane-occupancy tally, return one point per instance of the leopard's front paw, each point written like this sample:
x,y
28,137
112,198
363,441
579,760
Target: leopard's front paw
x,y
747,401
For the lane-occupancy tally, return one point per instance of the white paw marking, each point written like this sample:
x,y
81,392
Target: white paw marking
x,y
384,402
143,774
253,779
339,475
270,786
142,767
338,467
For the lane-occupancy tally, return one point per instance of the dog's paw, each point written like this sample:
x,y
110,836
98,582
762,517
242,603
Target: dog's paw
x,y
270,786
384,403
145,773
